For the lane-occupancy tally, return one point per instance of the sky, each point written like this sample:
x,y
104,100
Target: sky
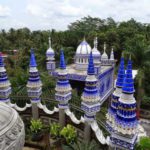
x,y
58,14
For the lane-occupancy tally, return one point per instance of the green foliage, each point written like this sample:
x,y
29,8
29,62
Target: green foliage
x,y
36,125
144,144
55,130
69,133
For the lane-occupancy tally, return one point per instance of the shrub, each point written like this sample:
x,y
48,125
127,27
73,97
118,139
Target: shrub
x,y
69,133
55,130
36,125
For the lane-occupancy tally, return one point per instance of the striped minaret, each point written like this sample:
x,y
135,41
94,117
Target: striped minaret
x,y
126,119
63,88
5,86
90,97
34,85
125,129
116,95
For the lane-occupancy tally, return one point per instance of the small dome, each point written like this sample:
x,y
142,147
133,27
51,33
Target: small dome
x,y
50,52
104,55
95,51
83,48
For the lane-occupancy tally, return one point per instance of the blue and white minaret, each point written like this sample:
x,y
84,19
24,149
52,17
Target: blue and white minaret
x,y
111,115
34,85
50,54
125,135
96,57
63,89
5,86
90,97
126,119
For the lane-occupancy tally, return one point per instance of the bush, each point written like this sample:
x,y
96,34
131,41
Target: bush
x,y
69,133
36,125
55,130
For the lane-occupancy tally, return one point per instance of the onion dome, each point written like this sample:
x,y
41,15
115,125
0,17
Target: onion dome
x,y
50,52
83,48
116,94
63,88
12,133
104,55
95,51
90,97
34,85
5,89
126,119
112,54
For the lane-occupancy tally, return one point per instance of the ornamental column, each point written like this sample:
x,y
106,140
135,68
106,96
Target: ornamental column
x,y
125,135
50,54
90,98
63,89
34,86
5,86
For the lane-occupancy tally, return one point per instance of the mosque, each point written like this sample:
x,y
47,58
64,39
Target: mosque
x,y
96,71
77,72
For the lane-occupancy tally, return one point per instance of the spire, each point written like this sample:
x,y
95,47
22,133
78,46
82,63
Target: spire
x,y
128,85
62,60
49,41
95,42
104,47
121,74
1,60
90,70
112,54
32,59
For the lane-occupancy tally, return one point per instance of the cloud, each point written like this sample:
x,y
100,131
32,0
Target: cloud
x,y
58,14
53,8
4,11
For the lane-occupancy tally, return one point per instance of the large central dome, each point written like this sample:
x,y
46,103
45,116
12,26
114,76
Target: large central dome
x,y
83,48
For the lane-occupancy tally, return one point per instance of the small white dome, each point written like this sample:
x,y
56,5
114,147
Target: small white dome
x,y
95,52
50,52
104,55
83,48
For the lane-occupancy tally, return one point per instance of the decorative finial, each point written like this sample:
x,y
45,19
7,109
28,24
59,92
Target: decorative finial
x,y
62,60
1,60
32,59
91,65
104,47
84,38
95,42
130,57
49,41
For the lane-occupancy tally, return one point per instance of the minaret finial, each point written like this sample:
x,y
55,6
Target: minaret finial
x,y
32,59
91,65
104,47
95,42
62,60
130,57
49,41
1,60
